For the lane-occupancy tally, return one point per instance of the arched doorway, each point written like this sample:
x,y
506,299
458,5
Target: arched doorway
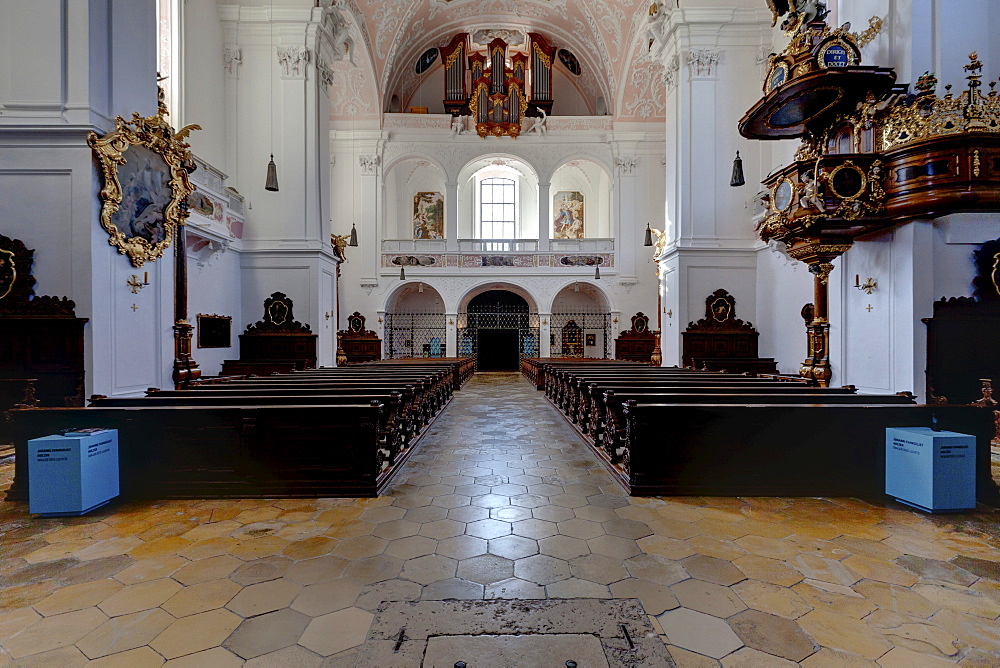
x,y
498,329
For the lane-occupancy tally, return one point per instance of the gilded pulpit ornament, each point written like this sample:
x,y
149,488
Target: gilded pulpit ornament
x,y
144,166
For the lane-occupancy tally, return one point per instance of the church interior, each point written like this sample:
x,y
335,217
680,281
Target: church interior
x,y
499,333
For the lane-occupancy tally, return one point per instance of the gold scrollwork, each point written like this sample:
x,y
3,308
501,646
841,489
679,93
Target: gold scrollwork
x,y
541,55
455,55
153,135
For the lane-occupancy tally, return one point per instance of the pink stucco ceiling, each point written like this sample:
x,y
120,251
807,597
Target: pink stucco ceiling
x,y
607,36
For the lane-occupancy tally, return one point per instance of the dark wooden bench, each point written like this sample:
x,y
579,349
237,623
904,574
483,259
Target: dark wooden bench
x,y
780,450
171,452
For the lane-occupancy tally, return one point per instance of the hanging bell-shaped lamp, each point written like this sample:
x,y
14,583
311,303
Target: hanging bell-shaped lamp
x,y
402,273
597,272
354,236
649,236
272,176
737,179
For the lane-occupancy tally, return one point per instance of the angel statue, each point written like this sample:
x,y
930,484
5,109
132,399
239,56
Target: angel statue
x,y
800,12
539,127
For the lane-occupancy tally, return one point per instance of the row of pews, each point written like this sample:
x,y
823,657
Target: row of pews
x,y
341,431
676,431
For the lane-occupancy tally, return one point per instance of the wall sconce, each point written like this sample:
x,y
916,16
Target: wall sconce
x,y
615,320
133,282
868,286
451,321
327,315
545,321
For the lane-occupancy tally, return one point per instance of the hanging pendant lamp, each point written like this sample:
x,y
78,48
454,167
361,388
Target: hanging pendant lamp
x,y
737,179
402,273
597,271
649,236
354,236
272,177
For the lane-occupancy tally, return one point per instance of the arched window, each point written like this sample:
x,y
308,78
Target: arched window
x,y
498,208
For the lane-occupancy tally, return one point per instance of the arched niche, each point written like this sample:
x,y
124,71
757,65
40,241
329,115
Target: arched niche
x,y
581,296
414,322
580,322
590,181
403,180
414,297
503,166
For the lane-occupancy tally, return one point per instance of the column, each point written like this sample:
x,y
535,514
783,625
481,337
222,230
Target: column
x,y
544,218
625,198
451,340
451,216
368,227
544,329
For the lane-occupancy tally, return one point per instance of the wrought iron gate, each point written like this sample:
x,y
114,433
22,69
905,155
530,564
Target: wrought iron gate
x,y
580,334
498,317
414,335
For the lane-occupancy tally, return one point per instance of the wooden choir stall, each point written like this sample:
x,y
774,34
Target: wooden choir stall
x,y
721,342
275,344
357,343
41,339
638,343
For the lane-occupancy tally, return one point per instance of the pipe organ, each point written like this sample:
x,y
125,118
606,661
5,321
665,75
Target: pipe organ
x,y
504,87
453,56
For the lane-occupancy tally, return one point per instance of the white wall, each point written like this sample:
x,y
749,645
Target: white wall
x,y
204,95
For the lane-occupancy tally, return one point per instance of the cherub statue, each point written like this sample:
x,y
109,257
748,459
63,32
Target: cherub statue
x,y
539,127
811,197
800,13
655,20
457,126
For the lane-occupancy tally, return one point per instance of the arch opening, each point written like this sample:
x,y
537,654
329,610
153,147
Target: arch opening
x,y
415,323
498,327
580,325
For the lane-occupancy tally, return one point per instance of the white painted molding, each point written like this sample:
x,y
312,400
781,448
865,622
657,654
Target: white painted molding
x,y
368,163
233,58
703,62
293,61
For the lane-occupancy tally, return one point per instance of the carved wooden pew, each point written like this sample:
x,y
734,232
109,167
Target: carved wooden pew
x,y
779,450
607,423
396,426
598,398
170,452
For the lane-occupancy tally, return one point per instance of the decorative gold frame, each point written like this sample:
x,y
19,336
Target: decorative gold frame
x,y
156,135
791,196
852,58
848,165
768,80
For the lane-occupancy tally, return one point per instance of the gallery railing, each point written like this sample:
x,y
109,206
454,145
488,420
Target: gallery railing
x,y
580,334
414,335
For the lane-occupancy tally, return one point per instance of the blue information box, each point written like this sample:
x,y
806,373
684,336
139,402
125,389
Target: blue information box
x,y
72,473
931,470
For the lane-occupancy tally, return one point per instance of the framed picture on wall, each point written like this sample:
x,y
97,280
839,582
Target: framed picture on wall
x,y
215,331
428,216
144,168
567,215
591,339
